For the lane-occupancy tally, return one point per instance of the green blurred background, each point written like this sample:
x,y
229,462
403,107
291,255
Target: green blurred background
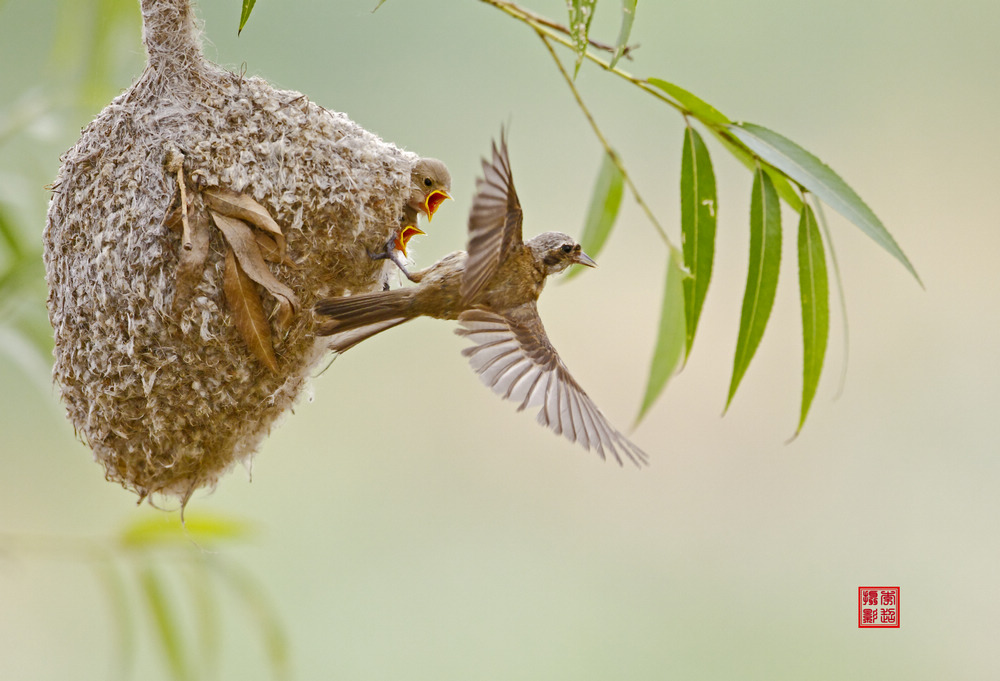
x,y
413,526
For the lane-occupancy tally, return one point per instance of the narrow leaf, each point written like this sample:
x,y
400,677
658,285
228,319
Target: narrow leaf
x,y
268,248
27,350
261,610
242,207
163,530
270,252
581,13
206,609
9,237
605,201
821,180
693,104
698,220
762,277
165,622
670,339
815,296
742,154
248,313
628,16
118,598
245,13
191,264
380,3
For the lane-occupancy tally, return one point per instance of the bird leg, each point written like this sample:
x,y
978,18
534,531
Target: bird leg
x,y
389,252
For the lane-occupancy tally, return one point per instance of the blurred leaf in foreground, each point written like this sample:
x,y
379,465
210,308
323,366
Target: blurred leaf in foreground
x,y
161,529
165,623
276,645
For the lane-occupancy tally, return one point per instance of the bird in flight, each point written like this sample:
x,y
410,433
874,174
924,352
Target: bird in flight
x,y
492,290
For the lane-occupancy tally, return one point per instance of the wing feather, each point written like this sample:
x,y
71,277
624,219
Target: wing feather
x,y
494,222
513,356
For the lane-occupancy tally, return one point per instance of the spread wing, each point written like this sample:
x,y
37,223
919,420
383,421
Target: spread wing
x,y
514,357
494,222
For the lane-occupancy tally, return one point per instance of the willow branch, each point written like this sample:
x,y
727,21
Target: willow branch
x,y
545,21
544,26
615,158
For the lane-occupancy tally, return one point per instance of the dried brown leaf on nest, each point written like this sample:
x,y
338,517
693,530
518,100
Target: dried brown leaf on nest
x,y
240,238
243,207
248,313
269,249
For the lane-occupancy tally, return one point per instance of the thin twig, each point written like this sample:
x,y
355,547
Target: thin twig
x,y
175,164
186,231
607,146
543,26
545,21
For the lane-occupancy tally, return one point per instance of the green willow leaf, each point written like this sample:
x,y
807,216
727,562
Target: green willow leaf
x,y
165,621
628,16
380,3
814,293
781,184
118,598
605,201
160,530
207,622
671,337
581,13
821,180
692,103
698,220
9,238
245,13
263,613
762,275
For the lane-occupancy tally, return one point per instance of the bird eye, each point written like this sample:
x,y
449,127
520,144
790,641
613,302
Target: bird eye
x,y
427,182
567,248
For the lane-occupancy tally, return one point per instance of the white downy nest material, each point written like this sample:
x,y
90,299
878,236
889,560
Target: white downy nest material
x,y
168,402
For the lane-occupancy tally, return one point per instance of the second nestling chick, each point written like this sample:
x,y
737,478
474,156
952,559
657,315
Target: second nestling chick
x,y
430,183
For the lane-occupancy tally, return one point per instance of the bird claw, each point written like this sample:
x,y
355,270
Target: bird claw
x,y
389,252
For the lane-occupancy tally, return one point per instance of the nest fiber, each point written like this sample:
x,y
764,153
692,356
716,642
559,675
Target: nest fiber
x,y
168,398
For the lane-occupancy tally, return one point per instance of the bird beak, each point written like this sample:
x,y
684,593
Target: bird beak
x,y
433,202
581,258
405,235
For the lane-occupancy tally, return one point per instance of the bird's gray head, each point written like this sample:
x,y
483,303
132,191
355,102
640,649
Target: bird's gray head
x,y
557,251
430,183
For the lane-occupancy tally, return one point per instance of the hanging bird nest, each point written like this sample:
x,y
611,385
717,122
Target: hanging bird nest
x,y
190,231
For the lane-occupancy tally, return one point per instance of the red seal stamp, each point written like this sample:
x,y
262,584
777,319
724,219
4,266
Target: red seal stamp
x,y
878,607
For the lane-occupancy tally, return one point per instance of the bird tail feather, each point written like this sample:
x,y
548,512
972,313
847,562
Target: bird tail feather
x,y
357,318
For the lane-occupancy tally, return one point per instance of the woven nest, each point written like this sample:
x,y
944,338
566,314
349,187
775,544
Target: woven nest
x,y
153,361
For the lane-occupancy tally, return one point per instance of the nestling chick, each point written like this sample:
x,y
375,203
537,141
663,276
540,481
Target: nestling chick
x,y
492,291
430,182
